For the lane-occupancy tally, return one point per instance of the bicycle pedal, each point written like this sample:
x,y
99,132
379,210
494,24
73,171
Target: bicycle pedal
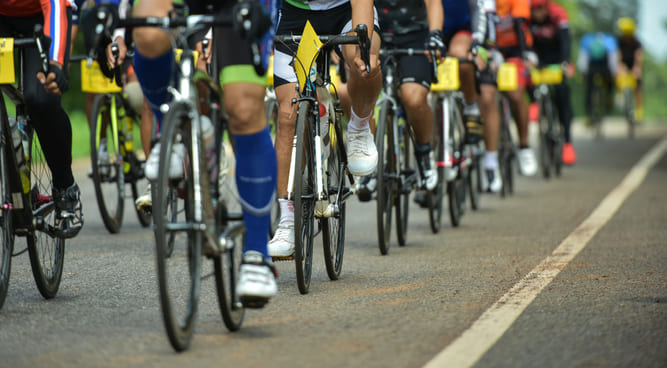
x,y
282,258
254,302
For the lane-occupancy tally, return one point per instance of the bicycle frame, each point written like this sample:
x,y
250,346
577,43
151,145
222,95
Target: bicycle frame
x,y
24,219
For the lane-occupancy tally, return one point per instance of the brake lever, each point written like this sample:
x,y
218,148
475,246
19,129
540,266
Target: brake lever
x,y
364,45
434,65
117,69
43,43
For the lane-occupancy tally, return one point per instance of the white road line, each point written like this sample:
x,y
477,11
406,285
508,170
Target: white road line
x,y
468,348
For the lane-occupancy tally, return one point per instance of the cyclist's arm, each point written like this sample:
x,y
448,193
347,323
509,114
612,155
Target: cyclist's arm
x,y
477,19
639,62
362,13
55,26
435,14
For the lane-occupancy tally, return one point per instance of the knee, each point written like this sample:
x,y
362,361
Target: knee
x,y
414,99
151,42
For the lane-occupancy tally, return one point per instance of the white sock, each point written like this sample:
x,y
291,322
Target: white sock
x,y
491,160
286,211
357,124
471,109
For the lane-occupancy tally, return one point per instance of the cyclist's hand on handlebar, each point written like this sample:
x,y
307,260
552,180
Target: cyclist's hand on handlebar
x,y
569,69
435,42
55,82
122,51
479,54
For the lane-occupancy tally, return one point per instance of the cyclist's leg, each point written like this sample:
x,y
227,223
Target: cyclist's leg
x,y
526,156
460,47
491,117
568,156
255,159
414,73
363,89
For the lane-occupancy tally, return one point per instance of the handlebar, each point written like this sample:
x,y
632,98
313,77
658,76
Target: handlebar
x,y
331,41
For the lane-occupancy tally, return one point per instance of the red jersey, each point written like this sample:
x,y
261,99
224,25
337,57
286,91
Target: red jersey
x,y
551,44
508,11
55,20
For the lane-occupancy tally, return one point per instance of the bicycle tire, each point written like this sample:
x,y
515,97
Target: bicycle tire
x,y
333,228
226,271
505,151
557,142
435,197
474,180
386,175
456,188
402,200
545,124
46,253
143,216
628,97
6,227
304,197
108,178
182,268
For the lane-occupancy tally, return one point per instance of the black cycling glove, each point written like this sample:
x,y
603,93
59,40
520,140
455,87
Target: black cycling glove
x,y
251,21
435,41
61,78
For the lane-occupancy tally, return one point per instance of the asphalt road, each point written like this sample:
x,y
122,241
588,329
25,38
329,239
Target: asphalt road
x,y
606,308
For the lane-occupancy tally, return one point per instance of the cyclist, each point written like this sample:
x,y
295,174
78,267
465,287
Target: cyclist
x,y
410,24
551,33
598,55
464,29
326,17
244,103
42,96
632,56
508,33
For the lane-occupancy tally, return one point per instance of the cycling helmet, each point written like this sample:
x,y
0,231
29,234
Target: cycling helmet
x,y
538,3
626,26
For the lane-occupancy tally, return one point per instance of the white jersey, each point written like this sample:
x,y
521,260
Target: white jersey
x,y
316,4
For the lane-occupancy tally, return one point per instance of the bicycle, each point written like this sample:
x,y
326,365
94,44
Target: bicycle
x,y
190,212
551,132
599,102
396,178
507,150
627,83
459,166
28,208
112,119
318,166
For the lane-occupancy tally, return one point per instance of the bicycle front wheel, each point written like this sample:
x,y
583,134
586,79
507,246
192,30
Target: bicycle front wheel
x,y
47,253
226,268
435,197
6,229
304,197
108,176
403,198
178,263
546,147
333,228
386,175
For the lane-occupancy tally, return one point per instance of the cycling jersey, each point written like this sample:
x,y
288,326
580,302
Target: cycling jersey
x,y
460,15
628,46
402,16
55,20
598,50
317,4
508,11
551,38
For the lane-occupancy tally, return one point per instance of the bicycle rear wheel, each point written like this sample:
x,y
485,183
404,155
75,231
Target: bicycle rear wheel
x,y
546,146
402,200
506,151
304,197
108,176
456,189
474,177
47,253
6,227
435,197
178,270
629,99
333,228
226,268
386,175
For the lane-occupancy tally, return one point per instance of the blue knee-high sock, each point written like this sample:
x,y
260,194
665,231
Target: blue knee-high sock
x,y
256,171
154,75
